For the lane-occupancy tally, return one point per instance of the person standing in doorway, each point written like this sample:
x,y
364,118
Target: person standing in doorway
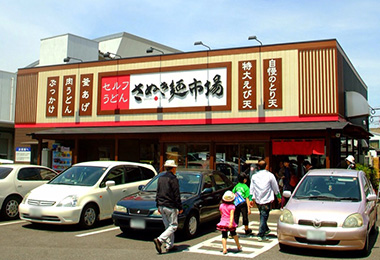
x,y
168,201
263,189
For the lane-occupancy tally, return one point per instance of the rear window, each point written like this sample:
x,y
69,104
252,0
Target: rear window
x,y
4,172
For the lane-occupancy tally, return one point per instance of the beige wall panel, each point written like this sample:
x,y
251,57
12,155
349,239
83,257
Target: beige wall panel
x,y
289,87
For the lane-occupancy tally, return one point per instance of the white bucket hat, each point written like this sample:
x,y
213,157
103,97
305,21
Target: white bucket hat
x,y
228,196
170,163
351,159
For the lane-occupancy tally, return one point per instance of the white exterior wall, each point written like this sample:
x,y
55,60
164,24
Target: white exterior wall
x,y
53,50
7,97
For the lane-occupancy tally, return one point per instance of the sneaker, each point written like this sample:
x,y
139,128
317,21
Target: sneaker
x,y
248,231
261,239
158,245
267,232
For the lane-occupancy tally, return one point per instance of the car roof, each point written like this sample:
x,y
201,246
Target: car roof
x,y
20,165
335,172
110,163
195,171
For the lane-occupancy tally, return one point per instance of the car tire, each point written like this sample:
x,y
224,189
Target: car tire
x,y
190,227
89,216
125,230
9,210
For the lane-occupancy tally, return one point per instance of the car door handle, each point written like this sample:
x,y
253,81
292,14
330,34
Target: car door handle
x,y
19,186
125,190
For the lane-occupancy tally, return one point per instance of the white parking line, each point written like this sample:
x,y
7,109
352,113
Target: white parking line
x,y
12,222
97,232
250,244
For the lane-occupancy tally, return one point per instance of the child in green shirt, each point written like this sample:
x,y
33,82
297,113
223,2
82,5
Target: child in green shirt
x,y
242,207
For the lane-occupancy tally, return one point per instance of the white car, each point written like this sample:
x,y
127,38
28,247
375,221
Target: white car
x,y
84,193
16,180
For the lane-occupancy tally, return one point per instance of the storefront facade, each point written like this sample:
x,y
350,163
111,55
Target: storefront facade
x,y
203,107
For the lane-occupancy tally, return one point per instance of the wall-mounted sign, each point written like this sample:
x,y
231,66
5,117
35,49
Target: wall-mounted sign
x,y
68,102
52,97
86,85
272,83
165,89
247,85
23,154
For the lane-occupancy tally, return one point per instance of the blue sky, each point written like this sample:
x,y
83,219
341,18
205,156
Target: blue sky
x,y
179,23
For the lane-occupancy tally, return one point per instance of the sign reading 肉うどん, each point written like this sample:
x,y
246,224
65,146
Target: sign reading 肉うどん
x,y
169,89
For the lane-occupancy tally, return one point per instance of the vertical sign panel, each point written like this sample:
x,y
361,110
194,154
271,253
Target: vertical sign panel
x,y
52,97
272,83
247,85
68,102
85,105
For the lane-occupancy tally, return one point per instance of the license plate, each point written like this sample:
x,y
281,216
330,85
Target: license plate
x,y
35,212
137,223
316,235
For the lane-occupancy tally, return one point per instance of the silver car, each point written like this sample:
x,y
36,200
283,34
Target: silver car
x,y
329,209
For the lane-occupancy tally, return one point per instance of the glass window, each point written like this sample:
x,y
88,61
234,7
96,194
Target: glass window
x,y
47,174
176,152
132,174
208,182
220,182
4,172
117,175
29,174
146,173
79,176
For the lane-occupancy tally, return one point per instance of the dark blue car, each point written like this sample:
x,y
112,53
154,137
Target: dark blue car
x,y
201,194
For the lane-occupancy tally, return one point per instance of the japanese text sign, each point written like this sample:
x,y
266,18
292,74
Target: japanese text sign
x,y
52,97
272,83
247,85
68,102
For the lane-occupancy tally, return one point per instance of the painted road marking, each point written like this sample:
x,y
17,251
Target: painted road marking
x,y
97,232
251,246
12,222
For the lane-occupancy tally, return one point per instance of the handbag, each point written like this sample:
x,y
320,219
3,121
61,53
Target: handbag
x,y
238,198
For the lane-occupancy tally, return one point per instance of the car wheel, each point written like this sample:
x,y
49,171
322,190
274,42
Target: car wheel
x,y
10,208
89,216
191,225
124,229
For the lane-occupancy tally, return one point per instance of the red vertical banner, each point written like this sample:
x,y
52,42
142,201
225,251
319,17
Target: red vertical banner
x,y
272,83
115,93
247,85
86,93
52,97
68,102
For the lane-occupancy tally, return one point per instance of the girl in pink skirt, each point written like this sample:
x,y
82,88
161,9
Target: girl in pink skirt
x,y
227,223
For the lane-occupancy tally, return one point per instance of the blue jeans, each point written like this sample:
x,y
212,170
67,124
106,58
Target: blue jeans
x,y
170,219
264,210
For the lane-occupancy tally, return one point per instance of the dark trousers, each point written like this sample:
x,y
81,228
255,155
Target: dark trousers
x,y
264,210
243,209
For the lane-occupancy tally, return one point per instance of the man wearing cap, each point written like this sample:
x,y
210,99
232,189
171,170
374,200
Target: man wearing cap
x,y
350,160
168,201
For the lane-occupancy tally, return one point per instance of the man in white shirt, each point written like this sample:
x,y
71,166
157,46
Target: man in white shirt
x,y
263,188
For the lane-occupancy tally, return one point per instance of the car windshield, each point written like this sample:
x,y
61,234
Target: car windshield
x,y
4,172
79,176
188,183
334,188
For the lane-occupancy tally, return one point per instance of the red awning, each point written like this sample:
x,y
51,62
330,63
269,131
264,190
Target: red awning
x,y
298,147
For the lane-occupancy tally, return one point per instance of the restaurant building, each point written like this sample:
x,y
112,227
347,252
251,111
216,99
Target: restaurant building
x,y
225,105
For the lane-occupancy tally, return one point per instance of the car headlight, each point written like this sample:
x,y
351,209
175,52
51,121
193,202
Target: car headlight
x,y
353,221
156,213
287,217
25,198
69,201
120,208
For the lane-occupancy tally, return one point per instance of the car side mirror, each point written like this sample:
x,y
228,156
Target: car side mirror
x,y
141,187
371,197
110,183
207,190
287,193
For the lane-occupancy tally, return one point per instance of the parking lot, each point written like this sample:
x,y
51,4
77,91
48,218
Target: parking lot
x,y
22,240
